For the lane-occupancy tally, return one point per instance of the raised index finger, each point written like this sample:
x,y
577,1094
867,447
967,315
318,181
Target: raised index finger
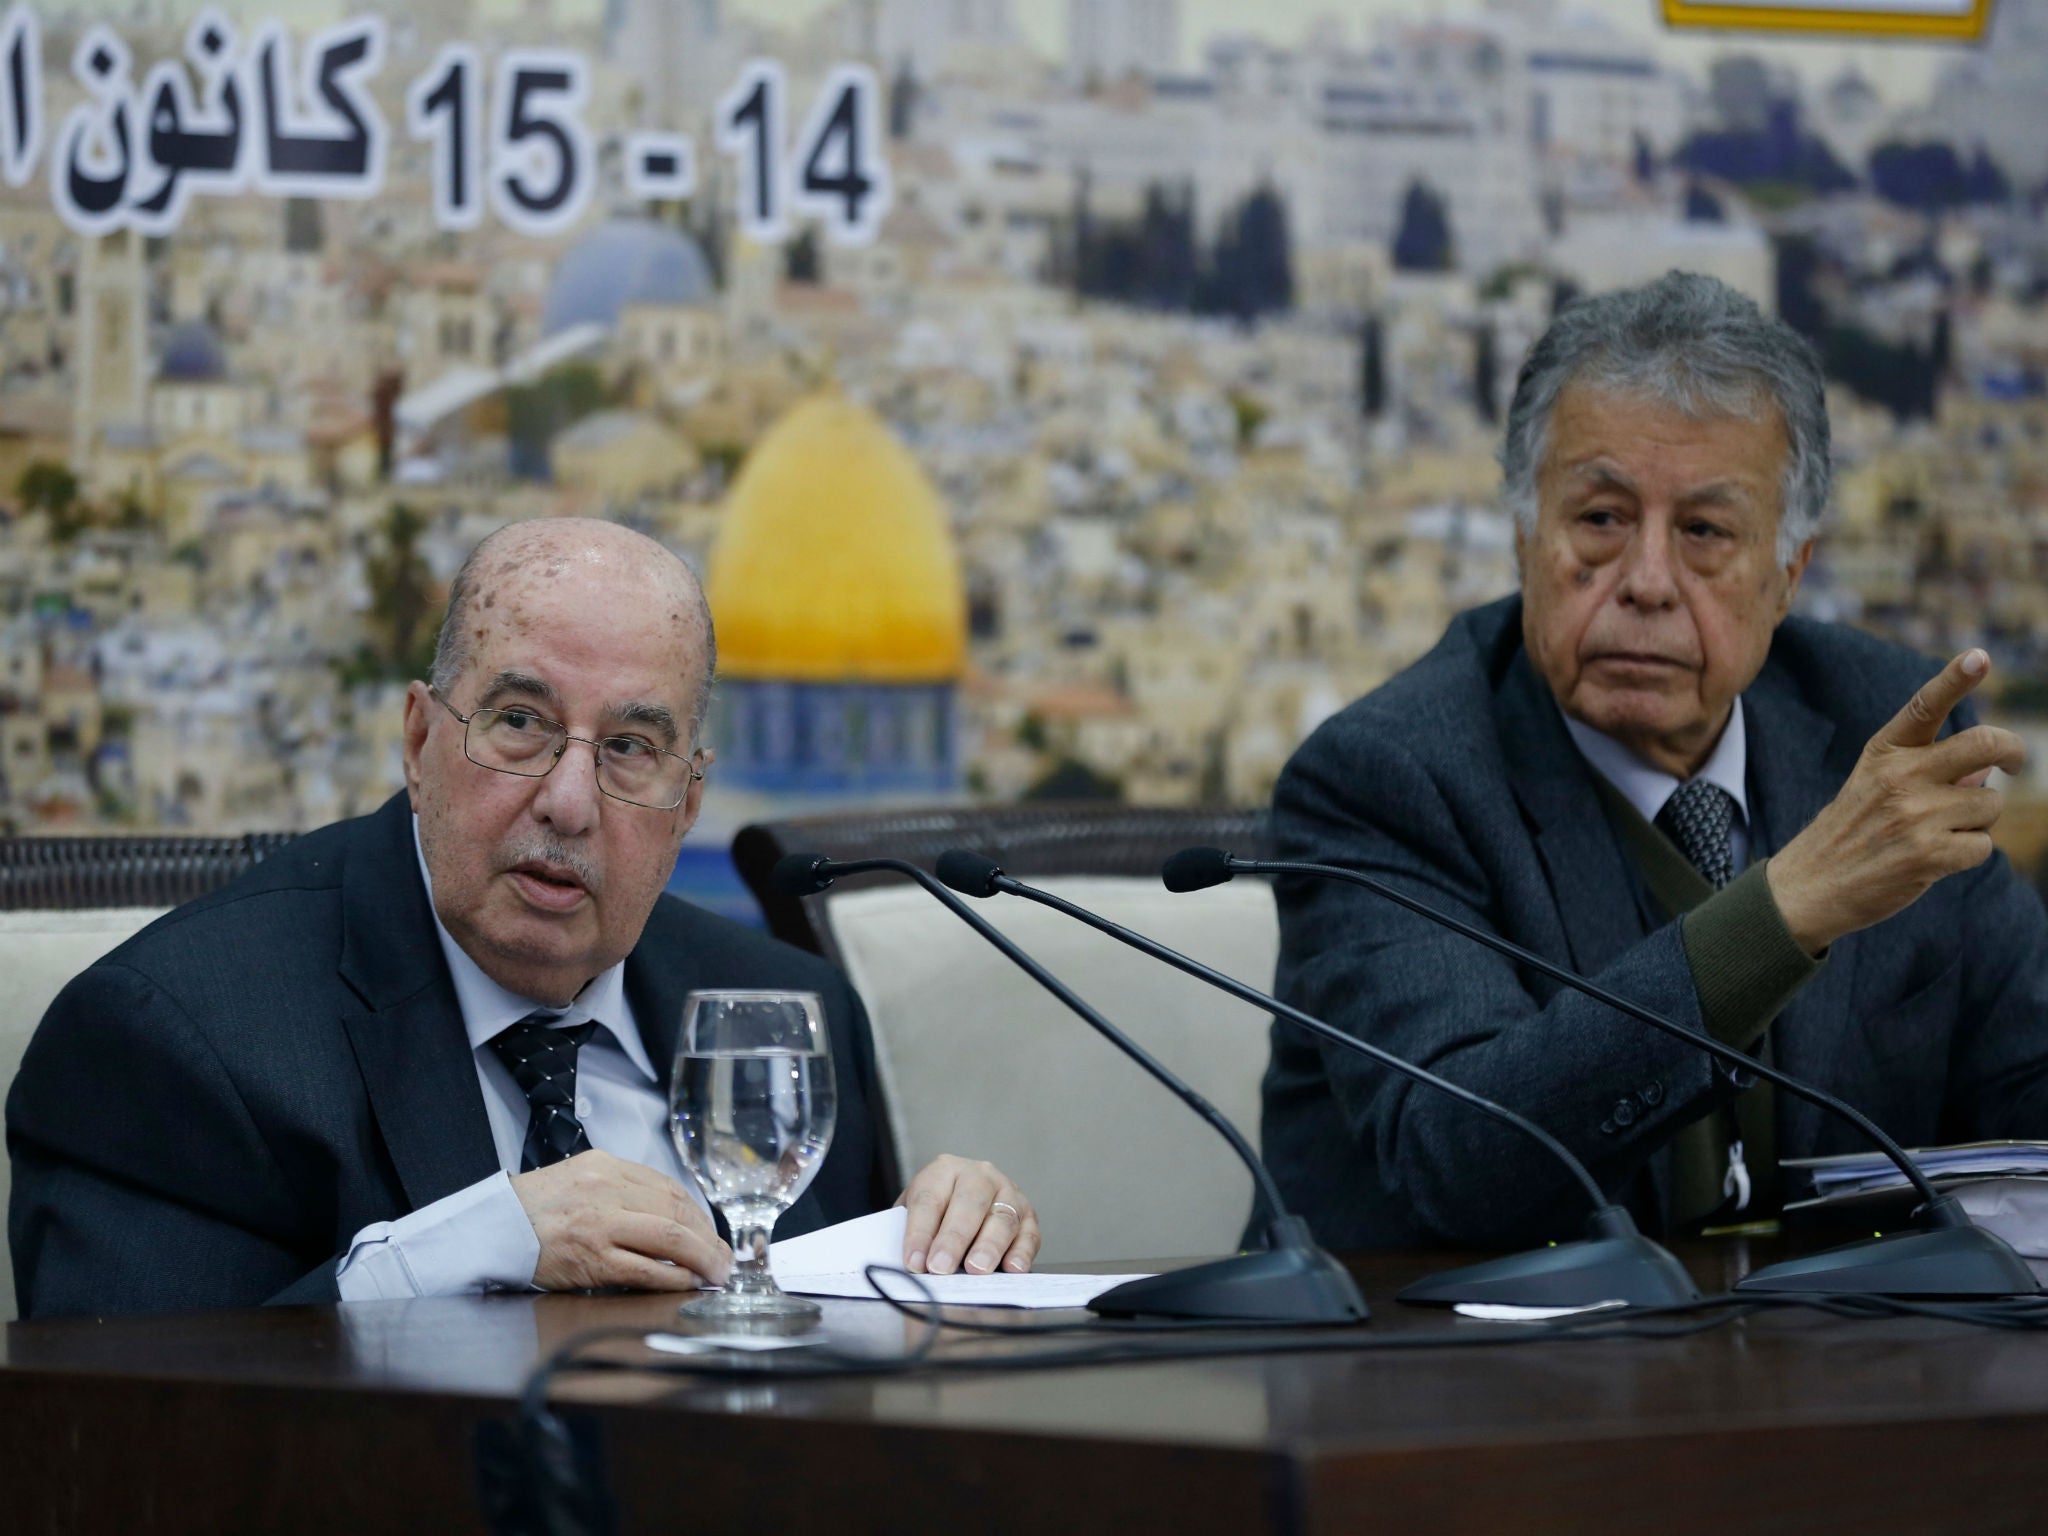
x,y
1920,721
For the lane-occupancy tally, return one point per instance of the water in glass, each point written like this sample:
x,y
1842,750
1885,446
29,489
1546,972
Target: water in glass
x,y
752,1106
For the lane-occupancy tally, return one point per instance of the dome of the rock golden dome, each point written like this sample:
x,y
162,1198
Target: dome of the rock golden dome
x,y
833,561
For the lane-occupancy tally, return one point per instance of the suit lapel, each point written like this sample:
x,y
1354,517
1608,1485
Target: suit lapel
x,y
1796,766
1589,877
658,981
407,1032
1600,900
1792,773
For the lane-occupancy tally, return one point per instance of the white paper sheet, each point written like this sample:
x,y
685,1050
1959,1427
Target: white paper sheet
x,y
997,1290
830,1262
841,1250
1505,1312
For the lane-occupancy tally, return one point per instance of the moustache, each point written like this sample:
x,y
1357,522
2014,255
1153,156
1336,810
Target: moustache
x,y
548,850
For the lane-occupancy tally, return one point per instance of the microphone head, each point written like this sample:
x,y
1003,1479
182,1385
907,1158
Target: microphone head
x,y
801,874
1196,869
968,873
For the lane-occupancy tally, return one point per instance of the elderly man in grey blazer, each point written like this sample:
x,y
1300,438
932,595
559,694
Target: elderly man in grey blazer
x,y
1768,828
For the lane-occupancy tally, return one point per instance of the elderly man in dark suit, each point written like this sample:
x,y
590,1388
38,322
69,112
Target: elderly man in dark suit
x,y
1768,828
426,1051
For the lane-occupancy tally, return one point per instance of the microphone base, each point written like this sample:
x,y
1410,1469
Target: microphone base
x,y
1629,1269
1949,1261
1277,1285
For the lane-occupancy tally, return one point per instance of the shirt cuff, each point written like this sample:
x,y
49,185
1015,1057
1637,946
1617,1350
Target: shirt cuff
x,y
477,1239
1745,964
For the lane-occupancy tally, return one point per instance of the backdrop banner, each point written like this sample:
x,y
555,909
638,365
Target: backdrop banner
x,y
1062,398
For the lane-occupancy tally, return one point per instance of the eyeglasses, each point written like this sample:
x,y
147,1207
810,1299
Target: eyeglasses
x,y
520,741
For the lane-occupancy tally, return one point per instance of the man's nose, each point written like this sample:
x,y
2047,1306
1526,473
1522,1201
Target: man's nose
x,y
568,797
1649,574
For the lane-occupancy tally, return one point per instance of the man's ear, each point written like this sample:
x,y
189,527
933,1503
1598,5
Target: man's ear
x,y
1793,572
419,715
693,798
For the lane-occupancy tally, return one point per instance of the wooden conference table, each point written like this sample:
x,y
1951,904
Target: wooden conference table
x,y
366,1419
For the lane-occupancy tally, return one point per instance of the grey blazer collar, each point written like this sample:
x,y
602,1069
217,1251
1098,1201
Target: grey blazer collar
x,y
1584,863
1793,773
1793,770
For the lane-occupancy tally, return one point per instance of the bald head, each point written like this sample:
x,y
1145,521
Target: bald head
x,y
624,566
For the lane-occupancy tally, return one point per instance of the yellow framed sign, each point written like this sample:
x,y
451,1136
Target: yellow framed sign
x,y
1948,20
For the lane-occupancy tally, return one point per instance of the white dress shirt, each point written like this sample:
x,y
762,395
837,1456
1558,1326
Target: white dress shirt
x,y
479,1238
1647,788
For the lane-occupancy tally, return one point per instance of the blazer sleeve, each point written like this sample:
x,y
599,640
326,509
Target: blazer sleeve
x,y
1611,1089
140,1180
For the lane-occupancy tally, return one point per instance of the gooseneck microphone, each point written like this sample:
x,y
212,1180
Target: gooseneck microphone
x,y
1947,1256
1291,1281
1615,1262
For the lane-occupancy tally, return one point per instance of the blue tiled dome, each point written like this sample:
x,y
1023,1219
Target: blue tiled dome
x,y
625,261
192,354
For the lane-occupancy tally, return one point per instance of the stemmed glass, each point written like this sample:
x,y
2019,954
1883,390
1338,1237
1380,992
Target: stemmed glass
x,y
751,1107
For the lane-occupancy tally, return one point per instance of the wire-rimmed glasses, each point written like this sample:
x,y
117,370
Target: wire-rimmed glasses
x,y
519,740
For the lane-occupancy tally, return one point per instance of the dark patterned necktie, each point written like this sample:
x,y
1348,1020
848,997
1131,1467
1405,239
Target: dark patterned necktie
x,y
1698,817
543,1063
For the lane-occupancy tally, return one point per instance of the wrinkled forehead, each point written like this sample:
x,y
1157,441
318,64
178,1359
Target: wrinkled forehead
x,y
618,564
1613,440
611,618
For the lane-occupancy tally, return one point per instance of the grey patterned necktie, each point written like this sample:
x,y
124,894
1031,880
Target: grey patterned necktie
x,y
1698,817
543,1063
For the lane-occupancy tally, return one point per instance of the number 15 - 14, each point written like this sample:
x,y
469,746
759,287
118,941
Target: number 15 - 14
x,y
531,158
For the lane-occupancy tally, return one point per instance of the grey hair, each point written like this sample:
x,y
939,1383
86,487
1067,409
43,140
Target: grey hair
x,y
1695,344
452,654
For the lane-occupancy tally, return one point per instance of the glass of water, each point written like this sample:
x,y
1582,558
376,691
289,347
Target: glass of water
x,y
751,1107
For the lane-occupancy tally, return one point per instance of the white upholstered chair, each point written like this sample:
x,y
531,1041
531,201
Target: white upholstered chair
x,y
975,1058
39,953
64,902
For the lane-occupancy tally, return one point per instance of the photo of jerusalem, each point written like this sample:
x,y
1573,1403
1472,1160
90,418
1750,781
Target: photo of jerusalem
x,y
1151,419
